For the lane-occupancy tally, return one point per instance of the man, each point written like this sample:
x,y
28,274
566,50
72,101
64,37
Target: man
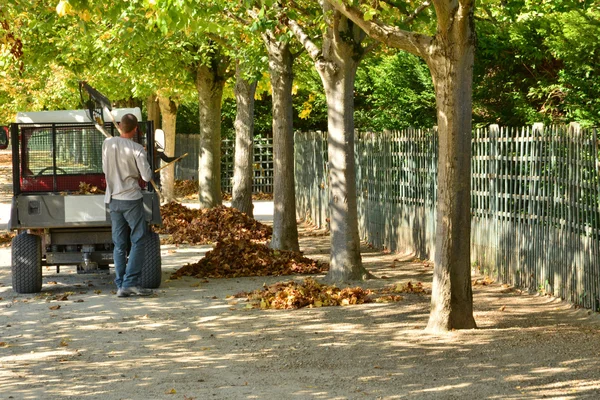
x,y
124,162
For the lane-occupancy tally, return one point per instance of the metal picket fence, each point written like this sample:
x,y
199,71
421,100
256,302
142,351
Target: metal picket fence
x,y
535,201
262,163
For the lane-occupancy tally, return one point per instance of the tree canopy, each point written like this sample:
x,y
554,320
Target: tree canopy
x,y
534,62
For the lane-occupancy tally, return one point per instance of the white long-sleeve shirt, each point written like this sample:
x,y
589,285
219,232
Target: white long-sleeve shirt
x,y
124,162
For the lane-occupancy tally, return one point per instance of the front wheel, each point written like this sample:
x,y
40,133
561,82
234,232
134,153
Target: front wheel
x,y
27,263
151,270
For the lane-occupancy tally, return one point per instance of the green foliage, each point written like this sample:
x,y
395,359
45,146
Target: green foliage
x,y
538,62
394,91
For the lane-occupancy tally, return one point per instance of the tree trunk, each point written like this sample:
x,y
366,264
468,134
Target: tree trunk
x,y
285,228
244,135
168,109
452,71
153,110
209,84
345,259
341,58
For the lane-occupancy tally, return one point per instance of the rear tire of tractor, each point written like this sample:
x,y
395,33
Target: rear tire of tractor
x,y
27,263
151,271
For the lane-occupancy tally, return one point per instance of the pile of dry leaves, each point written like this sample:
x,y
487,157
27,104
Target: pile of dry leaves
x,y
191,226
188,189
242,257
310,293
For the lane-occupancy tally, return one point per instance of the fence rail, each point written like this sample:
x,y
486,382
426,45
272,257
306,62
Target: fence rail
x,y
535,201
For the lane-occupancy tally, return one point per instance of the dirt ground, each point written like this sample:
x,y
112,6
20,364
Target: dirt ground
x,y
77,340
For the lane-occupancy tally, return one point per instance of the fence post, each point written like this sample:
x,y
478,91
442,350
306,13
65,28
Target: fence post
x,y
493,130
535,253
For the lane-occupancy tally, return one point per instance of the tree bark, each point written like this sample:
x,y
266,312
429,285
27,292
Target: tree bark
x,y
452,71
153,110
285,227
244,143
210,81
168,109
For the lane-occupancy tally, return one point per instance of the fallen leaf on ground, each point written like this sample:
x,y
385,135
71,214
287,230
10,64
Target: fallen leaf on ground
x,y
6,239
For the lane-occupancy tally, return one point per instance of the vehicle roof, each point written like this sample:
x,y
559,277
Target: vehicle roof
x,y
67,116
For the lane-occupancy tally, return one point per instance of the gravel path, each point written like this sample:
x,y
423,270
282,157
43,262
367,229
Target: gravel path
x,y
77,340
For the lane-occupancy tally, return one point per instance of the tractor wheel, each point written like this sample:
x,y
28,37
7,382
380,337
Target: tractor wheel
x,y
27,263
151,271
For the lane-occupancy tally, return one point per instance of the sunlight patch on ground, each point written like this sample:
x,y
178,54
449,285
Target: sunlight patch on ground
x,y
444,388
36,356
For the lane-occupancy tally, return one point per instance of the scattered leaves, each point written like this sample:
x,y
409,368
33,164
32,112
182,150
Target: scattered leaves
x,y
483,282
409,287
186,225
235,258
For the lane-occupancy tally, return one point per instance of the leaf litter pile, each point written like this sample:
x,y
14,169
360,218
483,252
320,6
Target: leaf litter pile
x,y
242,257
191,226
310,293
188,189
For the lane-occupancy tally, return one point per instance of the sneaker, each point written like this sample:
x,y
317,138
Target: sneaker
x,y
134,290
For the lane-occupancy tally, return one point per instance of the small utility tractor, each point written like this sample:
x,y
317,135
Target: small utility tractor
x,y
58,204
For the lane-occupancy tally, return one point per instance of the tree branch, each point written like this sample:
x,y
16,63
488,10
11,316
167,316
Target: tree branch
x,y
313,50
391,36
417,11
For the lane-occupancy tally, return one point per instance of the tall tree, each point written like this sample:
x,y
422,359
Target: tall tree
x,y
449,55
211,73
337,61
168,109
281,59
241,195
276,38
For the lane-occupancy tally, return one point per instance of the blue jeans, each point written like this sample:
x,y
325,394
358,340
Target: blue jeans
x,y
128,226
